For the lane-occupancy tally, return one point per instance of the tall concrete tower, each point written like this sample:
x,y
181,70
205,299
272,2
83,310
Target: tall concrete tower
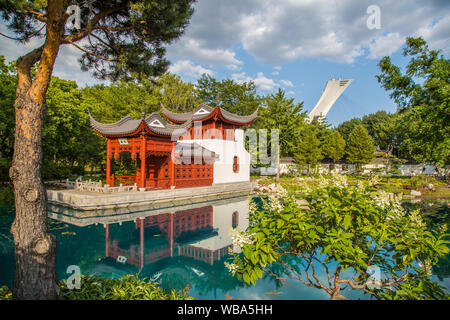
x,y
333,90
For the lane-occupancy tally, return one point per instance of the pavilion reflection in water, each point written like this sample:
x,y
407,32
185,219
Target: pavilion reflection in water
x,y
182,243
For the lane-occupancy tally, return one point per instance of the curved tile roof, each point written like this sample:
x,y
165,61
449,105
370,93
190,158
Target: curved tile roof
x,y
127,125
203,111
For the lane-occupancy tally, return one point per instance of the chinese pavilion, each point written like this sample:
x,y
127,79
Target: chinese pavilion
x,y
197,148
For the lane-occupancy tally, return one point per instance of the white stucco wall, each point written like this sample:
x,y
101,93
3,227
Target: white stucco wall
x,y
405,170
222,221
226,150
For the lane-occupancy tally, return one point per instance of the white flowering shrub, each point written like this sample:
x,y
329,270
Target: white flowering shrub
x,y
347,227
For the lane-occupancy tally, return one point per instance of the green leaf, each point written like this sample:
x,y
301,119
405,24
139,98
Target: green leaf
x,y
347,221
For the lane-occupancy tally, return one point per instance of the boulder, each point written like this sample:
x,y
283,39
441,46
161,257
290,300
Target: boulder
x,y
415,193
302,204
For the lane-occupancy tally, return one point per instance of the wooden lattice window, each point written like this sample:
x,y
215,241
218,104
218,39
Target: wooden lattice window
x,y
235,164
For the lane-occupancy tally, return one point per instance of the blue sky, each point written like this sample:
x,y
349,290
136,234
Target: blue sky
x,y
294,44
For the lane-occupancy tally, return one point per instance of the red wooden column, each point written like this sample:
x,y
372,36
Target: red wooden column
x,y
143,152
171,215
172,167
108,162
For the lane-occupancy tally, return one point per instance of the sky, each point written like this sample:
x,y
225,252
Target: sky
x,y
296,45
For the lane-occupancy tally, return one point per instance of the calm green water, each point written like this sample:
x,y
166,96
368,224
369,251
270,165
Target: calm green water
x,y
175,248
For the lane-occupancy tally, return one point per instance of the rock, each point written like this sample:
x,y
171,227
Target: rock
x,y
302,204
430,186
415,193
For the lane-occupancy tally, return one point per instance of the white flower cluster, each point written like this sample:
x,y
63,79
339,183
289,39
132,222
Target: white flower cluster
x,y
382,199
416,218
360,187
282,192
339,180
323,182
336,180
274,205
240,238
374,180
426,266
252,207
231,267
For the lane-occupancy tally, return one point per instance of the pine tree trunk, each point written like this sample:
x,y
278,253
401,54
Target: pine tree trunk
x,y
34,247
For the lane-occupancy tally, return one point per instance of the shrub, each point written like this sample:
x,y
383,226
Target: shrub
x,y
336,227
129,287
6,194
5,293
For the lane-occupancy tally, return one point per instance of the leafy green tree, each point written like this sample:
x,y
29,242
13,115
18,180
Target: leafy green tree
x,y
347,127
120,40
360,147
381,127
239,98
7,92
334,146
281,113
175,94
109,103
422,95
309,150
68,143
344,236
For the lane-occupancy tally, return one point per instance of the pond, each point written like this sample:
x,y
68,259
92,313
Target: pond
x,y
179,247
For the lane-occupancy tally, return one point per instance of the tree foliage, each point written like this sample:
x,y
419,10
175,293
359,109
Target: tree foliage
x,y
239,98
360,147
381,127
7,93
119,40
334,146
335,237
422,94
282,113
308,151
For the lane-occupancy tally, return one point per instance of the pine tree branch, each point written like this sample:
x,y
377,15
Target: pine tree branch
x,y
91,53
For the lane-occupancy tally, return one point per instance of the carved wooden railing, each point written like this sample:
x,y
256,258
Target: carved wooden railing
x,y
124,180
98,186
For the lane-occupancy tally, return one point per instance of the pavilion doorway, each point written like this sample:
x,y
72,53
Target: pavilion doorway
x,y
123,169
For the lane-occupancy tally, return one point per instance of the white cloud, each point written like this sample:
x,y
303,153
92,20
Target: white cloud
x,y
280,31
261,81
188,68
437,34
195,50
385,45
287,83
